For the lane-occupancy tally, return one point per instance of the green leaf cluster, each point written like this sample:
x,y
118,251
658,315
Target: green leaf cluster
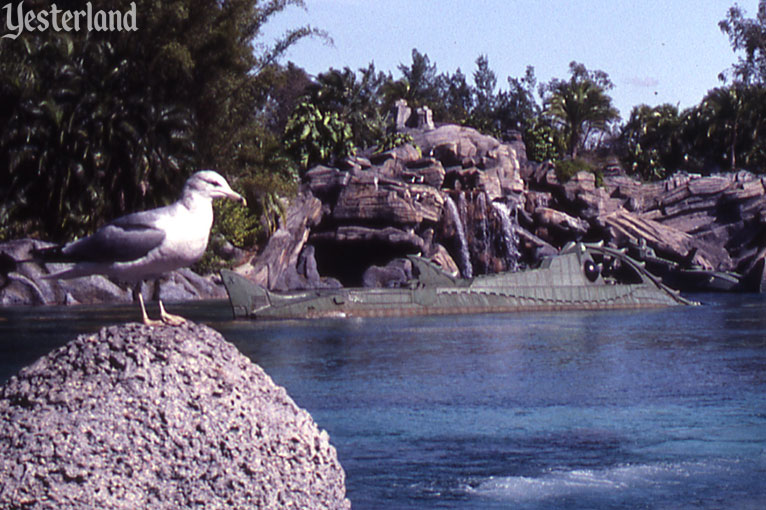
x,y
82,139
543,141
313,136
393,140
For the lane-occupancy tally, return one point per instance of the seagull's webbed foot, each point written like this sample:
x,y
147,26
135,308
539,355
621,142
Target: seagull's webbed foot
x,y
144,315
166,319
169,318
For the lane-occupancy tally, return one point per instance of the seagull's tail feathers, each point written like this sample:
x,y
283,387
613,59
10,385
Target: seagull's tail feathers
x,y
10,265
55,254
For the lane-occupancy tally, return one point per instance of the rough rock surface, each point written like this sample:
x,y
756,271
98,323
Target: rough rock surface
x,y
162,418
274,267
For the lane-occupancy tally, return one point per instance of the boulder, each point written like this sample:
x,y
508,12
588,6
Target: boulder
x,y
323,181
163,418
280,255
562,222
424,171
394,274
668,242
373,198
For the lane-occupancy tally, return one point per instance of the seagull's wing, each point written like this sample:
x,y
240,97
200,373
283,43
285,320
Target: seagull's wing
x,y
128,238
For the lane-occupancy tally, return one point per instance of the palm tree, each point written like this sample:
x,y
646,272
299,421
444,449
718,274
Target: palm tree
x,y
731,119
581,107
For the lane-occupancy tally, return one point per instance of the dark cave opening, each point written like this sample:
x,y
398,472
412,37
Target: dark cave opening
x,y
347,261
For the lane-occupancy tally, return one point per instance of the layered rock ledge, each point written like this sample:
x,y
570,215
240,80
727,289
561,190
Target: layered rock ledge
x,y
161,418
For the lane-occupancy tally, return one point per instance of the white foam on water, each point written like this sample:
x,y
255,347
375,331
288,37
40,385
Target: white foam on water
x,y
577,482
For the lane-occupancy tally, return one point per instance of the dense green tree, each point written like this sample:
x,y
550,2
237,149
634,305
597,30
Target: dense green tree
x,y
458,97
485,99
96,124
517,108
83,139
419,84
651,141
725,129
357,100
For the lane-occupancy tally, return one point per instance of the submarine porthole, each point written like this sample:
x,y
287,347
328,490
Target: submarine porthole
x,y
591,271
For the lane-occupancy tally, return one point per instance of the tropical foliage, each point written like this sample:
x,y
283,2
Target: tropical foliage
x,y
314,136
97,124
93,125
651,141
580,106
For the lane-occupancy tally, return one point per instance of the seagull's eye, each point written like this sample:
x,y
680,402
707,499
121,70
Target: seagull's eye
x,y
213,183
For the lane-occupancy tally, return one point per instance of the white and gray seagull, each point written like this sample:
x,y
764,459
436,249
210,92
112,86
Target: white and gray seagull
x,y
145,245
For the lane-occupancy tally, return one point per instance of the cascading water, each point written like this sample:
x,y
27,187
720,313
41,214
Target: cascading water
x,y
508,221
484,243
466,269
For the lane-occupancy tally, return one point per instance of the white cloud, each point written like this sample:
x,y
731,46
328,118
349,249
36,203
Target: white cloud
x,y
645,82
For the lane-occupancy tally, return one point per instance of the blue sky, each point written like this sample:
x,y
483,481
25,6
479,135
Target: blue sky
x,y
668,51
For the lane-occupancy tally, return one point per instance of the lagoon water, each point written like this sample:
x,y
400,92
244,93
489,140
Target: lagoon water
x,y
657,409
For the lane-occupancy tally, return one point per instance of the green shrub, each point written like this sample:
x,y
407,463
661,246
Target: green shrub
x,y
313,136
393,140
543,142
568,168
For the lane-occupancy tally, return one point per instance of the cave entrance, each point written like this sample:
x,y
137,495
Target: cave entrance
x,y
347,261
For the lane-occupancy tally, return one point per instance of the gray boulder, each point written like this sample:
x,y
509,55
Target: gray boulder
x,y
23,282
162,418
394,274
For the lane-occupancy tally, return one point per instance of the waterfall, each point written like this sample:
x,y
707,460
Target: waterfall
x,y
480,214
465,257
508,221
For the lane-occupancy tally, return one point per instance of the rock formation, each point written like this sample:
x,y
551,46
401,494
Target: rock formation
x,y
443,195
162,418
475,205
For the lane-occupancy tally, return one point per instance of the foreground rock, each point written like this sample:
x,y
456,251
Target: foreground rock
x,y
161,418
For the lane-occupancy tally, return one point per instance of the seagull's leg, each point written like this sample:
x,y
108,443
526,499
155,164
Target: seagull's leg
x,y
165,317
138,294
169,318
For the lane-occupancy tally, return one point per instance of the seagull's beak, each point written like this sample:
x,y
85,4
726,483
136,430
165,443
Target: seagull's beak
x,y
231,195
237,197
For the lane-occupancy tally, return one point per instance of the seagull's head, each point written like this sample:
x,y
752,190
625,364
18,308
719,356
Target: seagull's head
x,y
211,184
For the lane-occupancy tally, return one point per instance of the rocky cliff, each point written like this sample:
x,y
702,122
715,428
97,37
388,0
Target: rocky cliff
x,y
475,205
451,195
162,418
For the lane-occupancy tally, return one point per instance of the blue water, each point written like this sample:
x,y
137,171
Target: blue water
x,y
579,410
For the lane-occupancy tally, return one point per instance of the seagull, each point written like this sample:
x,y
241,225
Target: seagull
x,y
147,244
